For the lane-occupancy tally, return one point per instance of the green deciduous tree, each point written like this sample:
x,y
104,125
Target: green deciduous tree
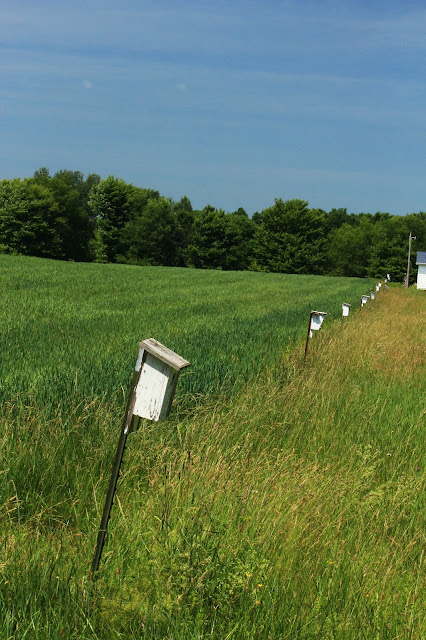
x,y
290,238
108,201
29,219
150,234
207,248
71,194
389,249
349,248
239,232
184,230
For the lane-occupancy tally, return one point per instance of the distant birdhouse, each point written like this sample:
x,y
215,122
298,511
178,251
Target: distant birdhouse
x,y
346,307
159,371
364,300
317,318
372,295
378,287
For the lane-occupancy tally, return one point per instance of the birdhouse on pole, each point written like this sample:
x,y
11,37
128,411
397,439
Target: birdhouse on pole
x,y
378,287
158,369
316,318
364,300
372,295
346,307
151,394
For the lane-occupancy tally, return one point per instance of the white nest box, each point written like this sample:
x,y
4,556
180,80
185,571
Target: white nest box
x,y
372,295
317,318
364,300
159,369
346,307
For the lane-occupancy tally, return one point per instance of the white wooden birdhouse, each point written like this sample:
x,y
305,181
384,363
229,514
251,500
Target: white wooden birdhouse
x,y
346,307
372,295
364,300
317,318
159,369
378,287
150,396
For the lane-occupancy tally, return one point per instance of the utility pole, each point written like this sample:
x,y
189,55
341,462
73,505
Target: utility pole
x,y
409,258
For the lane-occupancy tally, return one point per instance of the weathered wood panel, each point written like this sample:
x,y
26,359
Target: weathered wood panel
x,y
155,390
164,354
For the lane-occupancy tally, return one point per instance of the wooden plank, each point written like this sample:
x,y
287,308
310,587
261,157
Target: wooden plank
x,y
164,354
155,390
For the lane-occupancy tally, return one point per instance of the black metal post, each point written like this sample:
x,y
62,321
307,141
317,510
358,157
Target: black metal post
x,y
307,337
116,470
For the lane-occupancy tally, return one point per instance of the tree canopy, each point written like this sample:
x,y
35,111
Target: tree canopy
x,y
67,216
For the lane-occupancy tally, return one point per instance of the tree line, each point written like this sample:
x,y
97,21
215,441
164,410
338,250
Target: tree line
x,y
69,217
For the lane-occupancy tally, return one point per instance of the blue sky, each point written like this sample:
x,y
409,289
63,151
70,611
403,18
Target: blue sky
x,y
230,103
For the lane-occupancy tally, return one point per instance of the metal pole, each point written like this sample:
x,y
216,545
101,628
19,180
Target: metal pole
x,y
116,470
307,337
409,259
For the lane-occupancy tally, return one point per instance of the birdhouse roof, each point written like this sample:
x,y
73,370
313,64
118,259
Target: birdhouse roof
x,y
164,354
421,257
319,313
346,304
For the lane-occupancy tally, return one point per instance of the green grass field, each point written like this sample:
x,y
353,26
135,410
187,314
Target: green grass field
x,y
70,332
278,501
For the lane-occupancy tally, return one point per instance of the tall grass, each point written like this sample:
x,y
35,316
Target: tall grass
x,y
69,332
292,507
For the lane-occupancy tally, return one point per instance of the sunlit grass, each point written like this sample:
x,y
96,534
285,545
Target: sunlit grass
x,y
70,331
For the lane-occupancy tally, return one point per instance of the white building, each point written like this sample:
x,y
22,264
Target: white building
x,y
421,274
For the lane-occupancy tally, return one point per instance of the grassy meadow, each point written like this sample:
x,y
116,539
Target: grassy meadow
x,y
70,331
278,501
